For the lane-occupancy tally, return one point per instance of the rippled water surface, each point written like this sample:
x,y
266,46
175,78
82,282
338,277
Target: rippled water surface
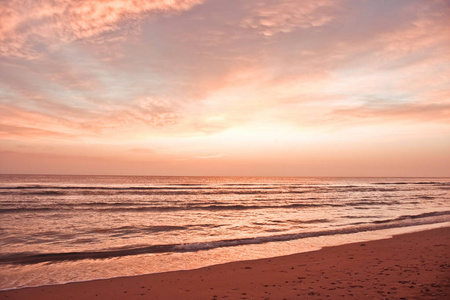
x,y
59,225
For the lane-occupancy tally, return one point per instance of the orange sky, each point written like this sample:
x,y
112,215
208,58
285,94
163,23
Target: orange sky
x,y
209,87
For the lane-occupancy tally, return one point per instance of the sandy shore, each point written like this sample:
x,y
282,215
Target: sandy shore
x,y
409,266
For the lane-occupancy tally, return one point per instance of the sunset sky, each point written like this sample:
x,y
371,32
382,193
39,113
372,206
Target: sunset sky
x,y
225,87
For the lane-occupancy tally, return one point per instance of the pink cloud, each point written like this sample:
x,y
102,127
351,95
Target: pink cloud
x,y
272,17
27,27
142,115
17,122
10,131
411,113
427,29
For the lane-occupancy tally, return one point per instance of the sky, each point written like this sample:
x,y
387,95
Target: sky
x,y
225,87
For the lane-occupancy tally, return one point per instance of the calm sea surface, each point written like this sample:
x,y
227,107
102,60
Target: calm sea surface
x,y
56,229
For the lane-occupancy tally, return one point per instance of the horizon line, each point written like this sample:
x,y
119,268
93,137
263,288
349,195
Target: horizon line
x,y
242,176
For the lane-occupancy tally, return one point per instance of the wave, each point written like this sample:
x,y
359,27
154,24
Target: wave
x,y
206,190
414,183
411,217
43,192
402,221
156,208
217,186
153,229
313,221
180,192
139,207
63,190
154,190
30,209
165,187
322,221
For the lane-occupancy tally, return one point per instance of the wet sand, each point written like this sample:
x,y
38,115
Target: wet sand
x,y
409,266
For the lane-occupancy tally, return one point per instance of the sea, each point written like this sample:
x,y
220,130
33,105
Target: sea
x,y
58,229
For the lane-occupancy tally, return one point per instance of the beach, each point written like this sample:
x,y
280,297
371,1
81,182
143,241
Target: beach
x,y
408,266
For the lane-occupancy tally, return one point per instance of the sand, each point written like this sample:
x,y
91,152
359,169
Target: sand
x,y
409,266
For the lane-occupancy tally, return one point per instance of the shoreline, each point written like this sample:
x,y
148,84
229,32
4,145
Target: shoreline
x,y
193,260
412,265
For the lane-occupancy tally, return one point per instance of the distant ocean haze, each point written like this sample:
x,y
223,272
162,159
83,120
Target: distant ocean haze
x,y
52,223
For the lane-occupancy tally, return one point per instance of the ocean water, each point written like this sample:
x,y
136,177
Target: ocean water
x,y
56,229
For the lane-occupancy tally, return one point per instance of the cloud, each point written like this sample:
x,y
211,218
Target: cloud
x,y
141,115
29,27
27,124
11,131
273,16
435,113
419,31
